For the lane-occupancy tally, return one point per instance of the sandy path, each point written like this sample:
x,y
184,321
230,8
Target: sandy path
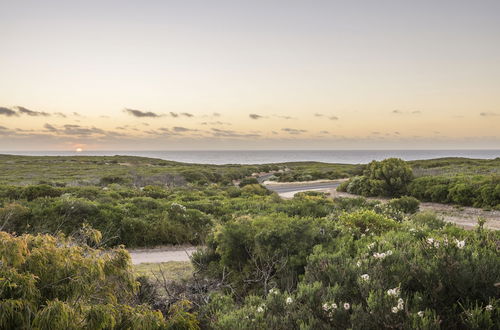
x,y
161,254
465,217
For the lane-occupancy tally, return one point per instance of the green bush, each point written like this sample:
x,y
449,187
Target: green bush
x,y
247,181
60,283
405,204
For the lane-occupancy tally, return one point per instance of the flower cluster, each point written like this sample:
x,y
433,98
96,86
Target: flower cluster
x,y
394,292
274,291
261,308
365,277
460,244
434,243
382,255
329,307
400,306
289,300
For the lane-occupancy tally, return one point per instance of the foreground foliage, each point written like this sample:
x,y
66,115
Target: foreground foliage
x,y
49,282
360,270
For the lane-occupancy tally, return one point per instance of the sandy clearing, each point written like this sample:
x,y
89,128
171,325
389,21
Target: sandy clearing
x,y
297,183
161,254
465,217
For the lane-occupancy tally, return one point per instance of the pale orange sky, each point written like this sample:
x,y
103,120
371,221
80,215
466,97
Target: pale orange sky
x,y
256,75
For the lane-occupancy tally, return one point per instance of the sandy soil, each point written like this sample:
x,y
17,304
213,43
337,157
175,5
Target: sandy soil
x,y
161,254
462,216
269,183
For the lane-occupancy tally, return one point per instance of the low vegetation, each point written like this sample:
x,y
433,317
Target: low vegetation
x,y
309,262
394,177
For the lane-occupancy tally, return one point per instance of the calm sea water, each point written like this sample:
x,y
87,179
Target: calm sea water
x,y
279,156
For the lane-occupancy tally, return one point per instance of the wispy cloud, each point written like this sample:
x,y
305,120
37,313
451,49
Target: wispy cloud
x,y
293,131
50,128
331,117
180,129
229,133
218,122
141,114
32,113
489,114
284,117
255,116
401,112
79,131
8,112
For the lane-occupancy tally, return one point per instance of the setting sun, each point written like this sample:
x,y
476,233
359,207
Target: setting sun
x,y
78,149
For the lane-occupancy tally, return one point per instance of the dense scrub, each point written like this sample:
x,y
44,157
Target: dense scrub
x,y
358,269
127,170
49,282
478,191
266,263
393,177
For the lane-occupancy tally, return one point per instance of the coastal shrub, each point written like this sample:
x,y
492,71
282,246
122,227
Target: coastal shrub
x,y
255,189
392,174
37,191
429,219
247,181
419,279
405,204
477,191
80,288
113,179
259,253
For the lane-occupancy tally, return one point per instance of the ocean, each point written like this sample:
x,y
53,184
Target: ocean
x,y
219,157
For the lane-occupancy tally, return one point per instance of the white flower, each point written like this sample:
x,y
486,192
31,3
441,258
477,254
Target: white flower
x,y
400,304
421,314
334,306
395,309
289,300
363,235
273,291
436,244
358,263
393,292
326,307
347,306
377,255
389,252
460,244
430,241
371,245
489,308
260,309
365,277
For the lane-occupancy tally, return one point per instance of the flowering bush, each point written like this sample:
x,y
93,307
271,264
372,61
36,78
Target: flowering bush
x,y
407,276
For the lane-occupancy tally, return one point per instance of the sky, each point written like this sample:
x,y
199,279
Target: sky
x,y
194,75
